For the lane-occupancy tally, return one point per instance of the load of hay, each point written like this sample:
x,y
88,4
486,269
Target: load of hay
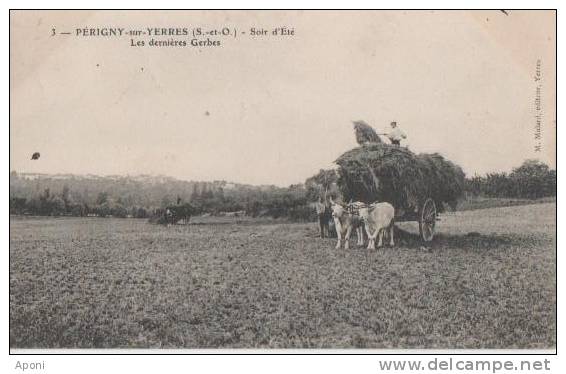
x,y
383,172
365,134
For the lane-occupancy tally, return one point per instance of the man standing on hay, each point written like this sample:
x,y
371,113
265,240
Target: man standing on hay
x,y
396,134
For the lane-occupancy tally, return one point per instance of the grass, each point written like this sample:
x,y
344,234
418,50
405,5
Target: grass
x,y
478,202
488,281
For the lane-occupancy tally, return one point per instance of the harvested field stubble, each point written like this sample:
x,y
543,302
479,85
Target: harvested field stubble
x,y
125,283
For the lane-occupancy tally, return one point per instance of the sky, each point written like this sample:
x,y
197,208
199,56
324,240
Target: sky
x,y
275,110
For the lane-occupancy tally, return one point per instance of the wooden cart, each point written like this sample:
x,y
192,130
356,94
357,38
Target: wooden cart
x,y
426,215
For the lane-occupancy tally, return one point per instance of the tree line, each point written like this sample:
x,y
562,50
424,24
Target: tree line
x,y
130,197
146,197
532,180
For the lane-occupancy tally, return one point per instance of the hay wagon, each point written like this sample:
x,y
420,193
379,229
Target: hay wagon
x,y
418,186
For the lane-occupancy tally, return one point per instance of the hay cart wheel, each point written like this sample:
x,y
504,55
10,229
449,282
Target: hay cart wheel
x,y
427,220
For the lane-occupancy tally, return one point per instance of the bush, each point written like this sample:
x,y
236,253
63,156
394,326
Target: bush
x,y
140,213
303,213
532,180
56,206
119,211
17,205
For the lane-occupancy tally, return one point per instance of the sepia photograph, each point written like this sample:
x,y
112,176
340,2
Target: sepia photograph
x,y
313,180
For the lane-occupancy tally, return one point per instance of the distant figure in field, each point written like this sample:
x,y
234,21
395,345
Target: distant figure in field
x,y
396,134
324,215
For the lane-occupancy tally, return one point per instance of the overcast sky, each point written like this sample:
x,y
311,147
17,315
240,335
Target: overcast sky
x,y
275,111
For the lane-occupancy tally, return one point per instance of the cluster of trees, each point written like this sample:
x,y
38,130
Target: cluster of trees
x,y
61,204
271,201
532,180
143,197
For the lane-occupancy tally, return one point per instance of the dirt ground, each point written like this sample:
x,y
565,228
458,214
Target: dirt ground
x,y
487,281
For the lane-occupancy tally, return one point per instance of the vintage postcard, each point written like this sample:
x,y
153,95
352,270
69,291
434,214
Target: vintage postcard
x,y
283,179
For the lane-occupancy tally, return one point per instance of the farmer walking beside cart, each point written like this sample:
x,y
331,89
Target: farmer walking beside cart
x,y
323,213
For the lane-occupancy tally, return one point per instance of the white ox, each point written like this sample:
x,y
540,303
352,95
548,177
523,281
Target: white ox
x,y
377,218
345,221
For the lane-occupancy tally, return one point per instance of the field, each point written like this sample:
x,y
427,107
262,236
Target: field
x,y
487,281
478,202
